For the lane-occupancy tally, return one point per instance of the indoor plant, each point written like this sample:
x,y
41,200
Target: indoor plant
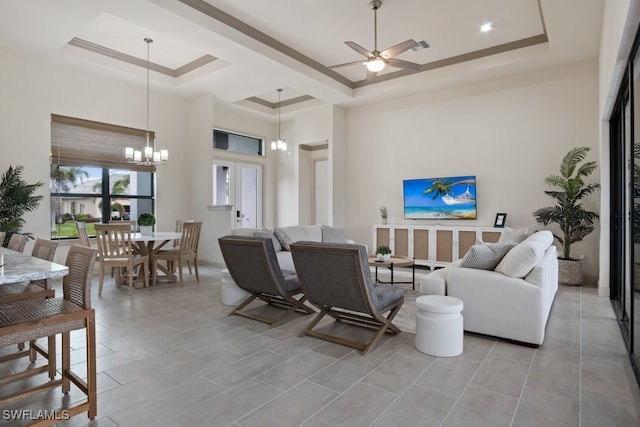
x,y
16,198
569,213
383,252
146,221
383,214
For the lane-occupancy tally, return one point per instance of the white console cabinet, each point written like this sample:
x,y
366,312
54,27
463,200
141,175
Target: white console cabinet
x,y
432,245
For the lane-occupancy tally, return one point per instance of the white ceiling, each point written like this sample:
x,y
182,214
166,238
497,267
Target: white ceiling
x,y
242,51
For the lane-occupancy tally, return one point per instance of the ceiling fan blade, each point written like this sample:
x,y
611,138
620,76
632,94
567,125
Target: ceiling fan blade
x,y
347,64
399,63
359,49
397,49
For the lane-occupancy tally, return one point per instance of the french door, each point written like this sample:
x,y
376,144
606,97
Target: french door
x,y
239,185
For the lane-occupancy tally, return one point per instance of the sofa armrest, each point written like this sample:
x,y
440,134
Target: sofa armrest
x,y
495,304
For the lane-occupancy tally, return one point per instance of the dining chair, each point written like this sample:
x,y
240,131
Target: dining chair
x,y
17,242
115,251
45,318
2,236
186,252
14,292
176,242
83,236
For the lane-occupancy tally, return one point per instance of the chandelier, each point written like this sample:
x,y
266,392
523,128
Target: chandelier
x,y
280,144
150,156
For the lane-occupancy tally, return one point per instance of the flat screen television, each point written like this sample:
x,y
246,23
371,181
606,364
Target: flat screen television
x,y
440,198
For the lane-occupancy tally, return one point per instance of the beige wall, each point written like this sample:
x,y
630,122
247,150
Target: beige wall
x,y
33,89
511,133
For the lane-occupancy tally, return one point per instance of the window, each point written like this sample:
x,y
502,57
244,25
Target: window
x,y
89,172
223,140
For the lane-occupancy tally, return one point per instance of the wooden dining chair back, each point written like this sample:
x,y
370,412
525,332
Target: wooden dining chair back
x,y
31,319
186,252
17,242
83,235
12,292
116,251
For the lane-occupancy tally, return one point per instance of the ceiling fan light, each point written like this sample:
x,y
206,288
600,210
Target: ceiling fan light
x,y
375,65
486,27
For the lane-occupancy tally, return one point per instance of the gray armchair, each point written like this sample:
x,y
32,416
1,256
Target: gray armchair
x,y
253,265
336,279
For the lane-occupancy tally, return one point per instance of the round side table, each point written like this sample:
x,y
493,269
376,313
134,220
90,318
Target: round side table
x,y
439,325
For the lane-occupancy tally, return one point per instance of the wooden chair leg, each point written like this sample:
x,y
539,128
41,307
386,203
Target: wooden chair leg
x,y
92,390
66,362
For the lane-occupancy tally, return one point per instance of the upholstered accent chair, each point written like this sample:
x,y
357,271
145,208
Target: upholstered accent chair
x,y
253,265
336,279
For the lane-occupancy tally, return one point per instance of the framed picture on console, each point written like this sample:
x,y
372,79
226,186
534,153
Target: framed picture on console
x,y
501,219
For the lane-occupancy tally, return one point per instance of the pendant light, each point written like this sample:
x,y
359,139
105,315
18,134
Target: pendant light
x,y
150,156
280,144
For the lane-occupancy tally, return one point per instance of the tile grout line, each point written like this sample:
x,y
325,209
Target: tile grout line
x,y
469,383
524,385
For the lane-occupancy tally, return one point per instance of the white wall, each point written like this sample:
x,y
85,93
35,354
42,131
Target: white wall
x,y
210,114
34,89
511,133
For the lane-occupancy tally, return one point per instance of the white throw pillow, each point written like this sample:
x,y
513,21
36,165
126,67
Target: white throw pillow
x,y
313,233
486,256
520,260
514,235
277,246
333,234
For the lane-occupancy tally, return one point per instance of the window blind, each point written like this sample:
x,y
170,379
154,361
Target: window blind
x,y
79,142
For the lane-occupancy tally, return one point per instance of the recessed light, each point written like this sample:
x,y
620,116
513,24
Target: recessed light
x,y
486,27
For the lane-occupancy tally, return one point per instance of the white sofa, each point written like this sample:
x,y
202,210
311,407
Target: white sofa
x,y
512,301
284,236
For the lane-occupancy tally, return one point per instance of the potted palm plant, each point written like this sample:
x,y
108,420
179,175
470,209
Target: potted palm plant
x,y
146,221
16,199
383,214
569,213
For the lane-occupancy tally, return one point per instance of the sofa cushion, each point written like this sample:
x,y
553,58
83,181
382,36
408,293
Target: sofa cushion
x,y
298,233
486,256
513,235
313,233
333,234
520,260
276,243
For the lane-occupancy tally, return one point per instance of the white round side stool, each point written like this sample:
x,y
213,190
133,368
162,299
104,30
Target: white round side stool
x,y
439,325
231,293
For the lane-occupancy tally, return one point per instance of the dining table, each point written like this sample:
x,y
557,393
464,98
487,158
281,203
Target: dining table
x,y
147,244
18,267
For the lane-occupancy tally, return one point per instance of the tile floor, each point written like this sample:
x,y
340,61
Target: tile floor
x,y
170,356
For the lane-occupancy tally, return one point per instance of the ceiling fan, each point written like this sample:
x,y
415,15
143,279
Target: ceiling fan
x,y
376,60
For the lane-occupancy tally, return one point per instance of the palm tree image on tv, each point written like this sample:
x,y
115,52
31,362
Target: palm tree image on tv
x,y
440,198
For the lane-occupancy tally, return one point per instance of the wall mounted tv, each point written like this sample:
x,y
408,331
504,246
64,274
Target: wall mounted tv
x,y
440,198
